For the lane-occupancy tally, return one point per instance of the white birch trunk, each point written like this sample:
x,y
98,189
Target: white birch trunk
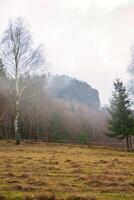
x,y
16,121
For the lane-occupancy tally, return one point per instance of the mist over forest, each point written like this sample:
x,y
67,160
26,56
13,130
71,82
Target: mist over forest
x,y
53,107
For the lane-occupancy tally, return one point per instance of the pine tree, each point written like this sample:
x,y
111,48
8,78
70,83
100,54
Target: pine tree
x,y
120,122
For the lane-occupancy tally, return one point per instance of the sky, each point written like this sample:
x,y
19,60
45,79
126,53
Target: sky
x,y
86,39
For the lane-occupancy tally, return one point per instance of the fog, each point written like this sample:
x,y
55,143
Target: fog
x,y
88,40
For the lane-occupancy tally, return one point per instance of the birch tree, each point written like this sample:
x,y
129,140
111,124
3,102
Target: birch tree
x,y
20,57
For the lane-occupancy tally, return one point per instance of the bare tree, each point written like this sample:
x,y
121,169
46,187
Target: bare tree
x,y
19,58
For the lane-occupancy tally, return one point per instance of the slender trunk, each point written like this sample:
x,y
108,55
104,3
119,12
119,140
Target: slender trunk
x,y
38,128
127,143
37,115
130,142
16,121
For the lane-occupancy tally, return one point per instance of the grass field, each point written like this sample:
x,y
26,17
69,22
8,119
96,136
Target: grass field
x,y
56,171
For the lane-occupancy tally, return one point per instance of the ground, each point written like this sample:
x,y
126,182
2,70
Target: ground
x,y
56,171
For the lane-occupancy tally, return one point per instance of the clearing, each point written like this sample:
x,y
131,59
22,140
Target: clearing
x,y
56,171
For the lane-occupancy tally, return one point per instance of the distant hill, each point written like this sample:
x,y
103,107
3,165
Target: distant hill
x,y
67,88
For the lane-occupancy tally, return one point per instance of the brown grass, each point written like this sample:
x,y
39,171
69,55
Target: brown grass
x,y
33,170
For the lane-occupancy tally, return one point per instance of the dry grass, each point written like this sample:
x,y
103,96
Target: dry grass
x,y
50,171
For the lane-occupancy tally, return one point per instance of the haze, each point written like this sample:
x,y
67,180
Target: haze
x,y
88,39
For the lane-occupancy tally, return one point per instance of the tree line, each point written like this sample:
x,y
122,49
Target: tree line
x,y
43,117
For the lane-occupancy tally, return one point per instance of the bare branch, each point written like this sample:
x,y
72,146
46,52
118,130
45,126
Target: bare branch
x,y
7,57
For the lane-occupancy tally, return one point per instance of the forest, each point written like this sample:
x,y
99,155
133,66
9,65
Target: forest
x,y
46,116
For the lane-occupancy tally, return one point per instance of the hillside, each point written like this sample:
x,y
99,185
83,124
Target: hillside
x,y
71,89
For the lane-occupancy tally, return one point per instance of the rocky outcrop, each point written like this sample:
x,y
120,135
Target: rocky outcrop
x,y
71,89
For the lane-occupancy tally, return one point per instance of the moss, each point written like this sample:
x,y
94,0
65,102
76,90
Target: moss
x,y
11,195
116,196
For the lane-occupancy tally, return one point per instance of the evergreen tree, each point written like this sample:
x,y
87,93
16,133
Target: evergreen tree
x,y
120,122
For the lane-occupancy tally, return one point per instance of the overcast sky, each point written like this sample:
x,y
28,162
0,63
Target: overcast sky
x,y
87,39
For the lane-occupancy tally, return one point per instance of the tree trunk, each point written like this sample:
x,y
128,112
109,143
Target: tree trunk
x,y
16,121
127,143
130,143
37,123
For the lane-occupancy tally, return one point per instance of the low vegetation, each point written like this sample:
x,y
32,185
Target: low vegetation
x,y
40,171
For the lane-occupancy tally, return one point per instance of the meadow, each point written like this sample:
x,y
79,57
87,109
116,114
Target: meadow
x,y
40,171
